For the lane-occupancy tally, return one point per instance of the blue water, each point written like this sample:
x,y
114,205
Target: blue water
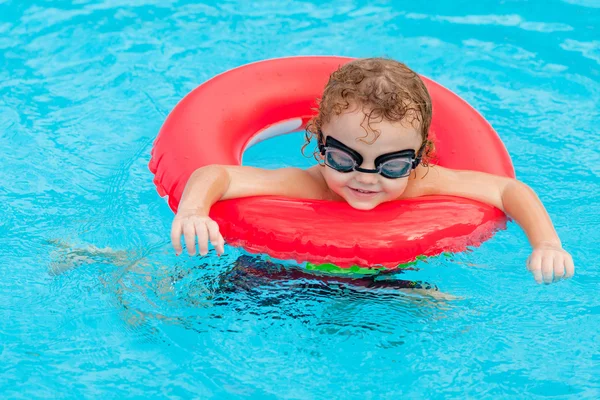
x,y
93,302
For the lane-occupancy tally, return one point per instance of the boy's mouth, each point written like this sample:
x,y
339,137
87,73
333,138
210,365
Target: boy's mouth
x,y
362,192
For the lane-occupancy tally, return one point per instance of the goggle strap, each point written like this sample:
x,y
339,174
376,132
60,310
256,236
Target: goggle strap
x,y
419,156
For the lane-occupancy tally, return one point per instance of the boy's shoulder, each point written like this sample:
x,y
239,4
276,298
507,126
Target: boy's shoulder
x,y
319,185
475,185
424,180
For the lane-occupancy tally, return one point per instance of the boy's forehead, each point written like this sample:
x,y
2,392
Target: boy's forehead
x,y
354,126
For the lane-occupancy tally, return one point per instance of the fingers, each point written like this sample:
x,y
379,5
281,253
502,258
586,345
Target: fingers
x,y
202,228
176,236
569,266
547,269
189,236
534,265
216,239
202,233
550,266
558,268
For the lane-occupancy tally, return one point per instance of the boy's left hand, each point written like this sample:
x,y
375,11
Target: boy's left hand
x,y
550,263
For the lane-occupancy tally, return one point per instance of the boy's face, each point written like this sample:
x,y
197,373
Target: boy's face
x,y
365,191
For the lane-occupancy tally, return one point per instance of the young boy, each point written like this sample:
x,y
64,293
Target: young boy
x,y
370,108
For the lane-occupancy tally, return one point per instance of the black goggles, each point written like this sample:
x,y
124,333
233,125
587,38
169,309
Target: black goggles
x,y
342,158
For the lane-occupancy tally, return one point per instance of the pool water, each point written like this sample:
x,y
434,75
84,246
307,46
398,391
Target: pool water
x,y
94,304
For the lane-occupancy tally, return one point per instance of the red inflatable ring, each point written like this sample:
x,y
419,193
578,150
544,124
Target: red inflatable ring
x,y
218,120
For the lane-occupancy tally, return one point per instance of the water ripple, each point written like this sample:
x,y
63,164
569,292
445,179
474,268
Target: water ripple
x,y
499,20
589,50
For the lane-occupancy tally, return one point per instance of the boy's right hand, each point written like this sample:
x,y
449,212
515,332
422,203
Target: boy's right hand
x,y
191,225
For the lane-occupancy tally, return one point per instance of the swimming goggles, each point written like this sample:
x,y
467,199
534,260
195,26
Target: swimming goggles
x,y
342,158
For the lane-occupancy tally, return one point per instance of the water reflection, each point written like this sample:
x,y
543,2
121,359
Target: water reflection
x,y
223,293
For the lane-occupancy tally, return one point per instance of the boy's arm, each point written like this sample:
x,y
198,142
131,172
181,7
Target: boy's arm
x,y
548,260
212,183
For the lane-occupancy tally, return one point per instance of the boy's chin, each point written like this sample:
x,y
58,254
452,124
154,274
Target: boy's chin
x,y
363,205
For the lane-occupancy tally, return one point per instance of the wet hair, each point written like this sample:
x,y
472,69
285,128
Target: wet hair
x,y
385,90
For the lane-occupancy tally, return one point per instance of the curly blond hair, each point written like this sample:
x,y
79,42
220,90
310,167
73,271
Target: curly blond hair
x,y
385,89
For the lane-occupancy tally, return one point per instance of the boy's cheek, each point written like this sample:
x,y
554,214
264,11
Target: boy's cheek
x,y
395,189
335,180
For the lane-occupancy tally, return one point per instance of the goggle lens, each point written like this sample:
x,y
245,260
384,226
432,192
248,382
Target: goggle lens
x,y
398,168
339,160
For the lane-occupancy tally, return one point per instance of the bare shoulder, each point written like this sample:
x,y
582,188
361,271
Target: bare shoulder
x,y
424,180
436,180
287,182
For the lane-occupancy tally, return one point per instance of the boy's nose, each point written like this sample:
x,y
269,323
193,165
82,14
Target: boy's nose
x,y
366,178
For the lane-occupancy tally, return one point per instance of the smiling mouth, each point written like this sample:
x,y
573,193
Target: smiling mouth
x,y
361,191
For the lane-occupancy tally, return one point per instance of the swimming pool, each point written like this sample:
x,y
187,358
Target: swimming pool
x,y
94,303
